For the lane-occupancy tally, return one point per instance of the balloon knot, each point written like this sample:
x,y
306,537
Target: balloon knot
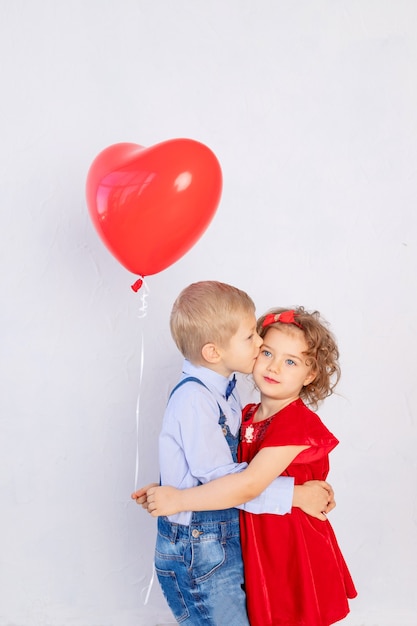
x,y
137,285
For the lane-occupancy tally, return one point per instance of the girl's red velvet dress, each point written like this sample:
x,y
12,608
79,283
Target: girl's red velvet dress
x,y
295,574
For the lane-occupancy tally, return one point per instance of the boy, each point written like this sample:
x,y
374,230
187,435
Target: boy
x,y
198,557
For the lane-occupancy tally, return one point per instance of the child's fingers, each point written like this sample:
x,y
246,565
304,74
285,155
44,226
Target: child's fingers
x,y
141,492
330,506
328,488
138,494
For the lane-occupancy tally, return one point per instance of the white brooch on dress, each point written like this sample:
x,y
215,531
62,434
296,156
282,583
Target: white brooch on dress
x,y
249,434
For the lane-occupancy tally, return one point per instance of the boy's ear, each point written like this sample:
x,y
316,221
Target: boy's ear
x,y
210,353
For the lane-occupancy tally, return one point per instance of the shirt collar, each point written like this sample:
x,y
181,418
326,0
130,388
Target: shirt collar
x,y
210,378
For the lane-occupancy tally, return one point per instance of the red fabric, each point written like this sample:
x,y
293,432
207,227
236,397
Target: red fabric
x,y
295,573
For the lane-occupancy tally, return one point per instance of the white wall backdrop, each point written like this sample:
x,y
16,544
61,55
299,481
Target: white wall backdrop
x,y
311,109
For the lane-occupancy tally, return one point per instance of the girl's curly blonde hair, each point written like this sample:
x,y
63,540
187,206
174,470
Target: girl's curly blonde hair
x,y
322,352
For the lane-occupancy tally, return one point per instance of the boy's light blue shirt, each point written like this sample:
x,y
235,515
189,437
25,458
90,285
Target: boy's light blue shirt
x,y
193,449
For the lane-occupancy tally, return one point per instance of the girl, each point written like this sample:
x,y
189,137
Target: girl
x,y
295,573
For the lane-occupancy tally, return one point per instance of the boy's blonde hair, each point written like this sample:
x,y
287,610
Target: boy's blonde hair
x,y
322,352
207,312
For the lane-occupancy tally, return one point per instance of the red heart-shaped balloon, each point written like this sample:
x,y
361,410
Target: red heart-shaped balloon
x,y
151,205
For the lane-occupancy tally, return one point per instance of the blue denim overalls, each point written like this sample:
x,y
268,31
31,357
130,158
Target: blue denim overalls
x,y
199,567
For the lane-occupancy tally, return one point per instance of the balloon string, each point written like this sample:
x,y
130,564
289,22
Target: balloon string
x,y
144,299
142,313
149,587
142,359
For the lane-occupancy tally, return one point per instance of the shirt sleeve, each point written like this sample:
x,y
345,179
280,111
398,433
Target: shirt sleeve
x,y
276,499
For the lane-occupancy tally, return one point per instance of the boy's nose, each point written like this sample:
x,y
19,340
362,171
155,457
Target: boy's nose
x,y
259,340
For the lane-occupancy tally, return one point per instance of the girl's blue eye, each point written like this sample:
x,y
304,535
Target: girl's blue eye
x,y
290,362
266,353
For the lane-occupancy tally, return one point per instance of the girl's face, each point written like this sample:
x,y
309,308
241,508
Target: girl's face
x,y
280,370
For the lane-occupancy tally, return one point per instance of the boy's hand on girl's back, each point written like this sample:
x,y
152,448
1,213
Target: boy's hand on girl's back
x,y
315,497
141,495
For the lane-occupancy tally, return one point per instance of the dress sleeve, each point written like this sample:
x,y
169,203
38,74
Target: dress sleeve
x,y
298,425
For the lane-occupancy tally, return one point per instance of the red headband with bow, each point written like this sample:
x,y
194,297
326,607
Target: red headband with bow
x,y
286,317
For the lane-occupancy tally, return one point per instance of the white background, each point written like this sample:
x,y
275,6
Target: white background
x,y
311,109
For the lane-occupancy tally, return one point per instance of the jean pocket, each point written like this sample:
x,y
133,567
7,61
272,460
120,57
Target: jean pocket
x,y
172,592
207,557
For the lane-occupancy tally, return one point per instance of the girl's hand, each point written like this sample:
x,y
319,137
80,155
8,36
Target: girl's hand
x,y
141,495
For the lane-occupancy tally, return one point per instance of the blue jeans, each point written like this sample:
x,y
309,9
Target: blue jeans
x,y
200,570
